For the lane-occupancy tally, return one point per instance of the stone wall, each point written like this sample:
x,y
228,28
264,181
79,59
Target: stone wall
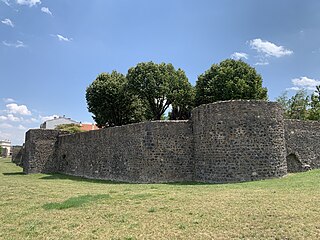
x,y
227,141
17,152
303,144
238,141
40,149
158,151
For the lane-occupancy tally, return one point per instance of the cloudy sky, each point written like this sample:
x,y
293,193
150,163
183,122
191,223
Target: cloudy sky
x,y
51,50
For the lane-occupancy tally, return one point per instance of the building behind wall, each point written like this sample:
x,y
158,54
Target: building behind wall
x,y
53,123
6,148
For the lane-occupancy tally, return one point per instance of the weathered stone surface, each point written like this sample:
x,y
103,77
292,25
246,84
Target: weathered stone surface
x,y
303,144
17,152
158,151
238,141
40,149
229,141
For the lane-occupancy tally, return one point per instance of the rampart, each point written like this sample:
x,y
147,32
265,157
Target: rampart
x,y
17,153
229,141
303,145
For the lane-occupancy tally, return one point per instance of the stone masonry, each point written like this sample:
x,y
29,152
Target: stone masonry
x,y
230,141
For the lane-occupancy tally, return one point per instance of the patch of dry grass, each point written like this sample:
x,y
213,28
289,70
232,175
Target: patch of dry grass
x,y
60,207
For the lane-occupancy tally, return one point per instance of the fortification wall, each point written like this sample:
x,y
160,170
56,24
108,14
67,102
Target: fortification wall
x,y
17,153
303,144
228,141
158,151
40,148
238,141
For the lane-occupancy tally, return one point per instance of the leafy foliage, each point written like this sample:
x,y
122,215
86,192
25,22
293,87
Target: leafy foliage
x,y
71,128
158,86
314,112
301,106
110,101
230,79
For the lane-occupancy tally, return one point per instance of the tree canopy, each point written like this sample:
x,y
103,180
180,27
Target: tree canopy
x,y
301,105
230,79
158,86
110,101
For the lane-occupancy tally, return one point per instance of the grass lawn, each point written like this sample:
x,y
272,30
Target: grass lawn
x,y
60,207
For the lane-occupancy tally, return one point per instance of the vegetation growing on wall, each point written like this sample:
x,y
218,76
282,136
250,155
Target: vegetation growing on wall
x,y
71,128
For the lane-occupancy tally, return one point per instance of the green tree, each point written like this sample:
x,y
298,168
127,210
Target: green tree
x,y
0,151
296,107
71,128
314,111
110,101
230,79
283,100
159,86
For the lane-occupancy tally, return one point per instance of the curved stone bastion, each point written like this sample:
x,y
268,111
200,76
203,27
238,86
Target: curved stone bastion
x,y
238,141
230,141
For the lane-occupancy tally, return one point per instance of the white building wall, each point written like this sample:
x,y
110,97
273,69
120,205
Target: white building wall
x,y
52,124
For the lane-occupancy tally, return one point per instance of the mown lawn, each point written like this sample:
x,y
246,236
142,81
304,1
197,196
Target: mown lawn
x,y
60,207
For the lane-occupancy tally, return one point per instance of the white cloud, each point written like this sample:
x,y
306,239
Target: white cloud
x,y
46,118
305,82
21,127
13,118
29,3
62,38
18,109
269,49
293,89
239,55
6,2
5,125
8,22
8,100
46,10
31,120
18,44
262,62
3,118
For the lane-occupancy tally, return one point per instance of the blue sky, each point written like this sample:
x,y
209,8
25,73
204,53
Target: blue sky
x,y
51,50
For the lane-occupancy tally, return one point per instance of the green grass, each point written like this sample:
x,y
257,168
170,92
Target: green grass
x,y
43,206
75,201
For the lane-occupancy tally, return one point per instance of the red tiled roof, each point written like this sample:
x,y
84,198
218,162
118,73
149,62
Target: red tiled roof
x,y
88,127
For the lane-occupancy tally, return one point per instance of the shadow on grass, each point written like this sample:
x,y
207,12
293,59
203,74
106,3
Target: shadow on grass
x,y
58,176
75,202
13,173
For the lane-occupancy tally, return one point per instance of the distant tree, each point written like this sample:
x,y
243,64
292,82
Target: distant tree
x,y
110,101
0,151
71,128
158,86
283,100
296,107
230,79
314,111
